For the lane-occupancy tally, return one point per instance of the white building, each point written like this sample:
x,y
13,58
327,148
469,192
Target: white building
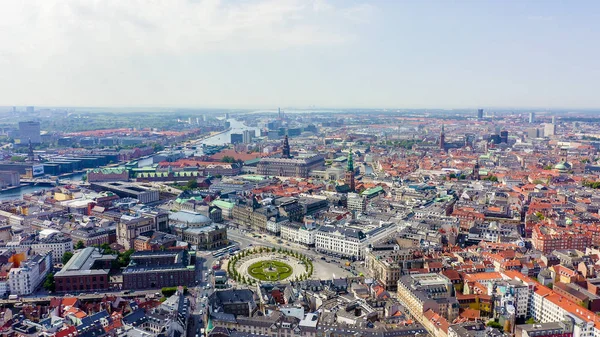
x,y
30,274
549,129
57,244
356,202
274,224
345,242
299,233
546,306
513,295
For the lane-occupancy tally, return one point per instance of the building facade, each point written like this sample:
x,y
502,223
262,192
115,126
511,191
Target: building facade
x,y
25,279
57,244
30,131
344,242
423,292
299,233
159,269
130,227
290,167
205,238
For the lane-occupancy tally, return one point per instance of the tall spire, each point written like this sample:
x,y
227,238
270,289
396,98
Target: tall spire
x,y
442,138
349,178
30,154
285,152
350,167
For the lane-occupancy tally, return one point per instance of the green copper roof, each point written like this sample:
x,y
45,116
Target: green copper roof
x,y
108,170
350,166
251,177
371,191
223,204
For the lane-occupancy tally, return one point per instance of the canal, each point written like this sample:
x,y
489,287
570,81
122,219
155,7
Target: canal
x,y
19,192
225,137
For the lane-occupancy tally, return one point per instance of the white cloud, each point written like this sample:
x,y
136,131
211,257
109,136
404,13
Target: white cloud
x,y
59,27
361,13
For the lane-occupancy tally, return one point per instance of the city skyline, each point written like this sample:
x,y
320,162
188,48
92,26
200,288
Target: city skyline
x,y
328,54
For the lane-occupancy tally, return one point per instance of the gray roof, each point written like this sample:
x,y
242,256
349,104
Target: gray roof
x,y
189,217
82,262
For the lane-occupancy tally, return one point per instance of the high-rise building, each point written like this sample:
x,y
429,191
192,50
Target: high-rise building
x,y
349,179
549,129
237,138
504,136
479,113
531,117
248,135
30,109
29,131
442,138
535,133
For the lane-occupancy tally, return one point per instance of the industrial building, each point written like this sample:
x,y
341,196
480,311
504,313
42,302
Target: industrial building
x,y
127,190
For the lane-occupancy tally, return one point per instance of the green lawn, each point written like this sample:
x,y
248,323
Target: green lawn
x,y
270,270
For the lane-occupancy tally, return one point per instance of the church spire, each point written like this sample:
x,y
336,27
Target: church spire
x,y
285,152
350,167
349,178
30,153
442,138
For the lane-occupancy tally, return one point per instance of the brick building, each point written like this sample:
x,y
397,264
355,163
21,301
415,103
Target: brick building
x,y
87,270
159,269
549,238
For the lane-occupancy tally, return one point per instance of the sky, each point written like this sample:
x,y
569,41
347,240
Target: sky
x,y
300,53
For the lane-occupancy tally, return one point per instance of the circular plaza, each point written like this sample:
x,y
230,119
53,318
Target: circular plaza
x,y
269,265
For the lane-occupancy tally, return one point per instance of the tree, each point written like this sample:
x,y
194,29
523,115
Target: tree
x,y
158,147
49,283
79,245
125,257
494,324
66,257
530,321
540,216
192,184
228,159
168,291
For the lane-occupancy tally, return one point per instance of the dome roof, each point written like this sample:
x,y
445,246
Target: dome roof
x,y
562,166
190,218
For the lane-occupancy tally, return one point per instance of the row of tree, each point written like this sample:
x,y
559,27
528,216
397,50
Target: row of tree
x,y
238,277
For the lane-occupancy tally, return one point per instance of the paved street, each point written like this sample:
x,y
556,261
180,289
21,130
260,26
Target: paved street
x,y
83,296
322,269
